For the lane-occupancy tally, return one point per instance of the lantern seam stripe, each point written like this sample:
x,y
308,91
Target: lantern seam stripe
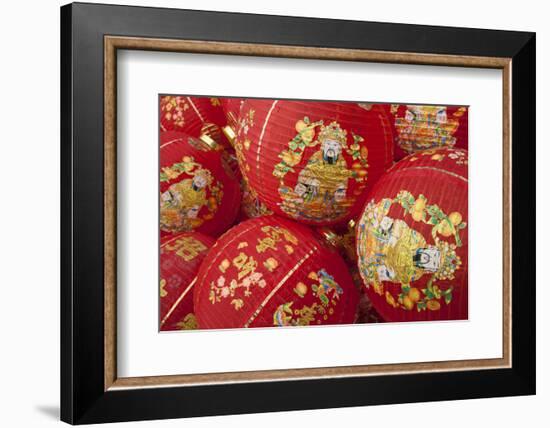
x,y
221,250
452,174
277,287
170,240
171,142
262,136
195,108
177,302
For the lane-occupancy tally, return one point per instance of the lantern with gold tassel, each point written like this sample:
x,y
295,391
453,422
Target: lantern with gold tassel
x,y
313,161
343,240
412,238
231,108
200,117
198,189
180,259
269,271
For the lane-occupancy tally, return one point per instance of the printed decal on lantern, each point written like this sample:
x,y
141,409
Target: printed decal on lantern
x,y
397,253
325,289
321,189
180,259
294,213
421,127
181,206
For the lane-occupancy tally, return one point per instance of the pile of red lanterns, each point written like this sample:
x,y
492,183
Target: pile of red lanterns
x,y
279,213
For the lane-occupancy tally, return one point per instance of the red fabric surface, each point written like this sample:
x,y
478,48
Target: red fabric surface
x,y
269,272
198,189
180,259
313,161
412,239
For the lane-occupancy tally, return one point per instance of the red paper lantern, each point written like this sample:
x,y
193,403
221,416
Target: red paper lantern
x,y
422,127
343,240
269,272
180,259
200,117
251,206
366,313
412,238
313,161
198,190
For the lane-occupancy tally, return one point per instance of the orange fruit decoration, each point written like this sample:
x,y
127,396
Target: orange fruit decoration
x,y
268,272
313,161
412,238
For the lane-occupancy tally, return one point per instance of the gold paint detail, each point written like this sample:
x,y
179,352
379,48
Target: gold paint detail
x,y
278,286
321,191
260,140
177,302
195,109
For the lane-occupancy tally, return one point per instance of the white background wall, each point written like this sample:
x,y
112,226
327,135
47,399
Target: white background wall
x,y
29,218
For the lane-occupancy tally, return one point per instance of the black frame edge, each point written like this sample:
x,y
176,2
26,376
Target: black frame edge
x,y
83,399
66,316
524,216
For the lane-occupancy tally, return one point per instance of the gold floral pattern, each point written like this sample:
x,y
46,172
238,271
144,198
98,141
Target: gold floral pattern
x,y
328,293
189,322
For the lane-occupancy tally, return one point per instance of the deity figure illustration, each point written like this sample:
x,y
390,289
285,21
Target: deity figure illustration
x,y
404,254
393,251
425,127
181,203
321,187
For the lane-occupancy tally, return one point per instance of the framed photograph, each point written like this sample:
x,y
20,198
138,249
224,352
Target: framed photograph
x,y
265,213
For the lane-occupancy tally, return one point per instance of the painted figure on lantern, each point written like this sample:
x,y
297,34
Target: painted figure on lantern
x,y
391,250
182,202
425,127
320,190
402,254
